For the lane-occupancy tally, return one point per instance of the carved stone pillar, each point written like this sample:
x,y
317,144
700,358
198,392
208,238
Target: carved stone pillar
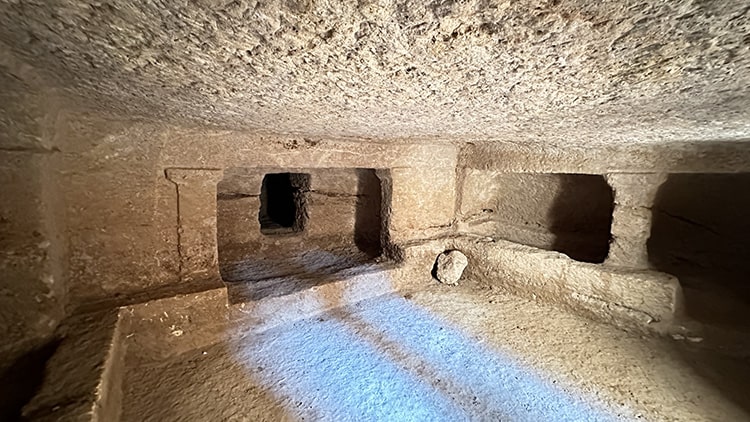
x,y
423,202
196,232
631,220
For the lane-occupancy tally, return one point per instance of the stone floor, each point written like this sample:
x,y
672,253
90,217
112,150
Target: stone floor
x,y
439,354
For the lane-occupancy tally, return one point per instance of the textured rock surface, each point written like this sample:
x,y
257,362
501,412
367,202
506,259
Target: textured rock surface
x,y
122,210
187,356
33,245
449,266
540,210
83,379
631,221
568,71
221,379
626,298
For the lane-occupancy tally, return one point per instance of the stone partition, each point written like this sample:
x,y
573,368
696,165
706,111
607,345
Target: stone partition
x,y
83,379
631,222
196,225
423,201
628,298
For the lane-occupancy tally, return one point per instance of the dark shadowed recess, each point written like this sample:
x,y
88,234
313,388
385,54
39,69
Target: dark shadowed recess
x,y
283,203
21,379
701,234
368,214
581,217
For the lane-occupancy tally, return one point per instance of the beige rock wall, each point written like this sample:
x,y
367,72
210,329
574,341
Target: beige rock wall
x,y
33,244
643,154
119,206
122,209
33,262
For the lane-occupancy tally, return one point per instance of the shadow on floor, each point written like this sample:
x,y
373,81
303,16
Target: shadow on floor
x,y
206,384
290,275
728,374
387,359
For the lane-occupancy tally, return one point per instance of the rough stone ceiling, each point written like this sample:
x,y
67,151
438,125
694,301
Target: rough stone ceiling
x,y
559,70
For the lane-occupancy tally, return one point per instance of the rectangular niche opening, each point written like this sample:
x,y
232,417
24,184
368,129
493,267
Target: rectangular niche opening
x,y
567,213
283,203
581,217
284,230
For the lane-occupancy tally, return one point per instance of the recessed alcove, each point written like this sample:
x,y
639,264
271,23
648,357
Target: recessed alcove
x,y
283,203
568,213
701,234
304,225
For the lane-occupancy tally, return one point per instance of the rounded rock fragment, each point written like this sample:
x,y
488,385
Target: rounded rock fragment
x,y
449,267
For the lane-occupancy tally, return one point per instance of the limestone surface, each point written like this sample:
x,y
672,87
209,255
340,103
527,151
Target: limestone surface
x,y
565,71
450,265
